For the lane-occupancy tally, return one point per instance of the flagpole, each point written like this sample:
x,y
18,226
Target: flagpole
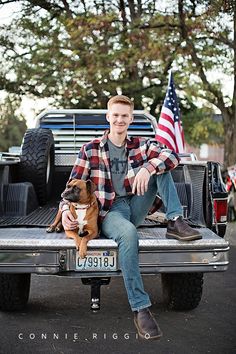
x,y
170,73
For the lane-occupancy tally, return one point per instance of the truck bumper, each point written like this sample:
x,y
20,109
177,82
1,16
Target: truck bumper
x,y
34,251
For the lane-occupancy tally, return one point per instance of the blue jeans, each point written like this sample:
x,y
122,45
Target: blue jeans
x,y
121,222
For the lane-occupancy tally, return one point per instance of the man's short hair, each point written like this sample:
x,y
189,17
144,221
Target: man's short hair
x,y
120,99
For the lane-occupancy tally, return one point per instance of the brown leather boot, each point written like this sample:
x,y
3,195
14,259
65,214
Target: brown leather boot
x,y
180,230
146,325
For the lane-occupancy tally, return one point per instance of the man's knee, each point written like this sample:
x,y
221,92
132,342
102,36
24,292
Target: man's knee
x,y
128,231
127,236
118,228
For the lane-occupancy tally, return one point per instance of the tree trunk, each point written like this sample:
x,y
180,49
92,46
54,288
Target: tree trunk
x,y
229,139
133,13
123,12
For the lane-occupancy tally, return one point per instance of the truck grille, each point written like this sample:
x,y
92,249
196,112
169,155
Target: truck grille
x,y
72,130
189,181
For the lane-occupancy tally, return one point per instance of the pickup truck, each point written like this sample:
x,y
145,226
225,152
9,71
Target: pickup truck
x,y
31,183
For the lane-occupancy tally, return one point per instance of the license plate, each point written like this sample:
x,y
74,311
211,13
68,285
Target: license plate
x,y
97,260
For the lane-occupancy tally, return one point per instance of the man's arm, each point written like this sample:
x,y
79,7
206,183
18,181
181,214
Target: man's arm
x,y
160,160
81,169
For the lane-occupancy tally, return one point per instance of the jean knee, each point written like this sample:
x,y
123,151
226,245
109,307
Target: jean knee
x,y
115,225
128,236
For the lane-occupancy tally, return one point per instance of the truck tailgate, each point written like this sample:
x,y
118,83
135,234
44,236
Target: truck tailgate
x,y
34,250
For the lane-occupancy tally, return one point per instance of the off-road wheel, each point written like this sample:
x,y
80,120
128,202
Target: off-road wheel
x,y
37,162
14,291
182,291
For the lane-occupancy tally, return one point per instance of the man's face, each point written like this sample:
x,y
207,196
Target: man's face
x,y
120,116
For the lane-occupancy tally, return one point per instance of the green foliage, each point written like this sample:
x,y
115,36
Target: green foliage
x,y
12,126
207,131
82,59
199,125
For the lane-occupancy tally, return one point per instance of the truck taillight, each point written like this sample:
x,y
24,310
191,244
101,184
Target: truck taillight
x,y
221,209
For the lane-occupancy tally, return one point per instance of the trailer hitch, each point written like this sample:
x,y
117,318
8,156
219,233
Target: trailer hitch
x,y
95,284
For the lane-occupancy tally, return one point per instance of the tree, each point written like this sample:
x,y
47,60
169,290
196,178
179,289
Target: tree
x,y
209,44
82,53
12,127
199,125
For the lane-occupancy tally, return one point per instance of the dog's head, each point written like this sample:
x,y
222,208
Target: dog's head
x,y
79,191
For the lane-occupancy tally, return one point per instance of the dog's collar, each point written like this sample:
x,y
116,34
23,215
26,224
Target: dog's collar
x,y
78,206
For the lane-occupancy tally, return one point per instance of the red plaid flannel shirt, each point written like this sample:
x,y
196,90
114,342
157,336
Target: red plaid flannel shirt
x,y
93,163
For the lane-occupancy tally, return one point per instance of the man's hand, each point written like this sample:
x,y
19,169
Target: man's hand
x,y
141,182
68,221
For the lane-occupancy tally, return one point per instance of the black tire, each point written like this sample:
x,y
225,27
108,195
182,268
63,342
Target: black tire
x,y
37,162
14,291
182,291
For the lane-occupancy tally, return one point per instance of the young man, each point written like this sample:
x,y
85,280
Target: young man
x,y
128,172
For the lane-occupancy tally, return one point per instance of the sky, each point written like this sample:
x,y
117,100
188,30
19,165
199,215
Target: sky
x,y
29,107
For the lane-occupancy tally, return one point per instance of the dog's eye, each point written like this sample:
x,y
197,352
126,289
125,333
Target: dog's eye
x,y
77,189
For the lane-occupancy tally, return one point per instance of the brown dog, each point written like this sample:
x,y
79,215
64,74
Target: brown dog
x,y
84,207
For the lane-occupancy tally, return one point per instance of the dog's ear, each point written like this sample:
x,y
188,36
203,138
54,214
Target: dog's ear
x,y
91,187
69,182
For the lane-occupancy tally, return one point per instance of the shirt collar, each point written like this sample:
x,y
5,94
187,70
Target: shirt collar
x,y
104,138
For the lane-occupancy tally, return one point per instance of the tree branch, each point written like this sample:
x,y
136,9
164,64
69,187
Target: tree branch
x,y
67,8
84,5
52,8
4,2
133,14
219,39
16,87
123,12
218,98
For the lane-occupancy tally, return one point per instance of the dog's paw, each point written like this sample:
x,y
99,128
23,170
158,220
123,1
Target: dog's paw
x,y
82,254
50,229
83,250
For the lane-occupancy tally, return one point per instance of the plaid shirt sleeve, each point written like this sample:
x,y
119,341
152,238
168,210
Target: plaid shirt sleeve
x,y
160,160
81,169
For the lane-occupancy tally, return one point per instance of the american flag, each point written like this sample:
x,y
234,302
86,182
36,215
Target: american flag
x,y
170,130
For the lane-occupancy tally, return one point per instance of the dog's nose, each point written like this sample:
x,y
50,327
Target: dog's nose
x,y
64,193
